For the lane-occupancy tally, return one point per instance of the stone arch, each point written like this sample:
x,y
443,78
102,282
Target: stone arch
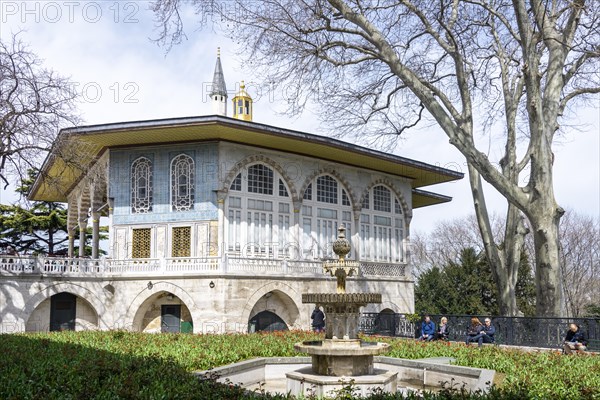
x,y
388,305
386,321
286,293
132,317
385,182
254,159
94,301
330,171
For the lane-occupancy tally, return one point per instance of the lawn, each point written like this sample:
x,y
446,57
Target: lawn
x,y
111,365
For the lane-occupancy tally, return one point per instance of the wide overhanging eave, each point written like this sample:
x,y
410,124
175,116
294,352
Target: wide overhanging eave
x,y
206,128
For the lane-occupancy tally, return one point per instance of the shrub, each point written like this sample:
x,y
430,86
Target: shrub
x,y
107,365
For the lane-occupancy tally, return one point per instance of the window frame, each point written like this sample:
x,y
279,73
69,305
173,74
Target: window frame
x,y
150,232
172,249
135,200
174,184
259,225
319,216
382,233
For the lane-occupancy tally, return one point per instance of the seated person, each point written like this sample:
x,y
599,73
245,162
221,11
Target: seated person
x,y
486,335
427,329
474,330
443,330
574,340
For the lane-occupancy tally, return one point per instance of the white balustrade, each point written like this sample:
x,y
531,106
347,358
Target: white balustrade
x,y
71,266
16,264
23,265
255,265
132,266
305,267
192,264
383,269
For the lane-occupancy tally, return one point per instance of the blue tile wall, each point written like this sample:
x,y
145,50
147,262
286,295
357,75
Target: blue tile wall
x,y
205,204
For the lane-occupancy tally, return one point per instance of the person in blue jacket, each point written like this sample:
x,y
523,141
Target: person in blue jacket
x,y
574,340
486,335
427,329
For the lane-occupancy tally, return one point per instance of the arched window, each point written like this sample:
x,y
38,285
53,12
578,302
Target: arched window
x,y
325,206
381,227
260,179
141,186
259,213
182,183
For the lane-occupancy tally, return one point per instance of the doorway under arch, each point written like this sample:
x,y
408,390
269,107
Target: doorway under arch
x,y
63,311
266,321
385,323
276,309
163,312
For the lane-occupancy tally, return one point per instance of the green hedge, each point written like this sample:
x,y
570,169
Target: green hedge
x,y
114,365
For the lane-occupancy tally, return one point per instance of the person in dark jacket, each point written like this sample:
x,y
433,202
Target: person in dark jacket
x,y
318,319
443,330
474,330
427,329
574,340
486,335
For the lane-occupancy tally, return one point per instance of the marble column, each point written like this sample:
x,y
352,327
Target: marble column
x,y
71,233
95,234
82,226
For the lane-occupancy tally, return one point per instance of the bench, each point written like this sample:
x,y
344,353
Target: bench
x,y
593,345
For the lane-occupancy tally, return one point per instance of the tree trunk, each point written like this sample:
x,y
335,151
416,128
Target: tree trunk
x,y
547,271
512,249
504,260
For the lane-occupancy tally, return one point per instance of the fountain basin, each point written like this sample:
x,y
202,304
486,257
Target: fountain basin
x,y
412,375
339,357
304,382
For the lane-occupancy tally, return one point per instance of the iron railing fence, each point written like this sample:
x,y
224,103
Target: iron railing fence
x,y
518,331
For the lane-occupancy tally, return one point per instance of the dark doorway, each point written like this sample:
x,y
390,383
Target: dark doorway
x,y
386,323
266,321
63,307
170,318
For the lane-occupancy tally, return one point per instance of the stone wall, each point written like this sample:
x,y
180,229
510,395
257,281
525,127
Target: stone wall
x,y
131,303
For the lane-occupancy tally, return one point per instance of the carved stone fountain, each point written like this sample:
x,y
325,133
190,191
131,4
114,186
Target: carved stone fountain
x,y
341,358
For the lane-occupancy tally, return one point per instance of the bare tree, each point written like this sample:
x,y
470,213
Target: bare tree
x,y
580,262
34,104
381,67
448,239
445,243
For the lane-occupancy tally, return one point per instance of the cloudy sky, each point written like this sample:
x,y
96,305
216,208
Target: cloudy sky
x,y
106,49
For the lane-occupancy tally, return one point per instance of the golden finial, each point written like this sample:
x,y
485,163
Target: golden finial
x,y
242,104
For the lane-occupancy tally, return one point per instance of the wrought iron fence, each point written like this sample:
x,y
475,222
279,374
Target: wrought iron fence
x,y
518,331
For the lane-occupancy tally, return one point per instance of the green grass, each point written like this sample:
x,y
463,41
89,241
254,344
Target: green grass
x,y
111,365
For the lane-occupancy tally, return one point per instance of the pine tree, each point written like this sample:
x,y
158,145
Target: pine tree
x,y
525,288
40,228
464,286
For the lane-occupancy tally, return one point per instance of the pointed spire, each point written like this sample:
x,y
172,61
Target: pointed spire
x,y
218,92
218,84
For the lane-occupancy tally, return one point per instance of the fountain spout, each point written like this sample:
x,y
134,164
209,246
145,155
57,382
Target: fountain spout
x,y
341,268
